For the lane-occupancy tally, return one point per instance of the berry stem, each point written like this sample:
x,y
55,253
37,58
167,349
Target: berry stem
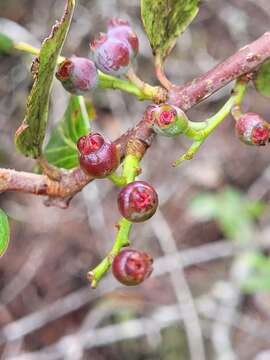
x,y
118,180
212,122
27,48
84,112
236,98
95,275
188,155
130,171
131,168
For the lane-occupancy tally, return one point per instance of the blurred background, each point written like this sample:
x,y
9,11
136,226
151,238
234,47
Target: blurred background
x,y
208,297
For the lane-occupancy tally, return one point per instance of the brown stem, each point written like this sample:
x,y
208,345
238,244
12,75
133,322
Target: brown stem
x,y
72,181
245,61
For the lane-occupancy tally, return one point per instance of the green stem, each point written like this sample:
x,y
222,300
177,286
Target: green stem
x,y
131,168
84,112
208,126
236,99
29,49
188,155
121,241
118,180
148,92
111,82
201,125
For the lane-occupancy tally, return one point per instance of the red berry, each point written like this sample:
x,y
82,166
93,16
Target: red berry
x,y
252,129
98,157
111,55
137,201
166,119
131,267
121,30
77,75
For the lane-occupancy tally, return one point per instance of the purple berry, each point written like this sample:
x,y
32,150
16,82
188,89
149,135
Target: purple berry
x,y
137,201
131,267
112,56
98,157
78,75
252,129
121,30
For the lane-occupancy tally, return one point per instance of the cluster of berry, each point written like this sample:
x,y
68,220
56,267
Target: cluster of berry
x,y
137,202
113,53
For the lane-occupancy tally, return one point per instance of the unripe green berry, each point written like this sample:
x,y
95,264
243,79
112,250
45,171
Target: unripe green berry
x,y
166,119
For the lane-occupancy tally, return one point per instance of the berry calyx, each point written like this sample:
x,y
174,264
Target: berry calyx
x,y
137,201
131,267
121,30
252,129
78,75
111,55
166,119
98,157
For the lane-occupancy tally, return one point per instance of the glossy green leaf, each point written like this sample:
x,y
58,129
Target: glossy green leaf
x,y
262,79
6,44
165,20
4,232
61,149
30,135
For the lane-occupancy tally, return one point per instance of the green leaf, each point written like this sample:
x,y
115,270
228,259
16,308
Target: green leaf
x,y
165,20
4,232
262,79
6,44
30,135
61,149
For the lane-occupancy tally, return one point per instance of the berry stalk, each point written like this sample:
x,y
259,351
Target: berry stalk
x,y
131,168
212,122
95,275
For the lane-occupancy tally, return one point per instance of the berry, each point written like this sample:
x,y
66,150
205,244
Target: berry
x,y
137,201
252,129
166,119
98,157
121,30
111,55
78,75
131,267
